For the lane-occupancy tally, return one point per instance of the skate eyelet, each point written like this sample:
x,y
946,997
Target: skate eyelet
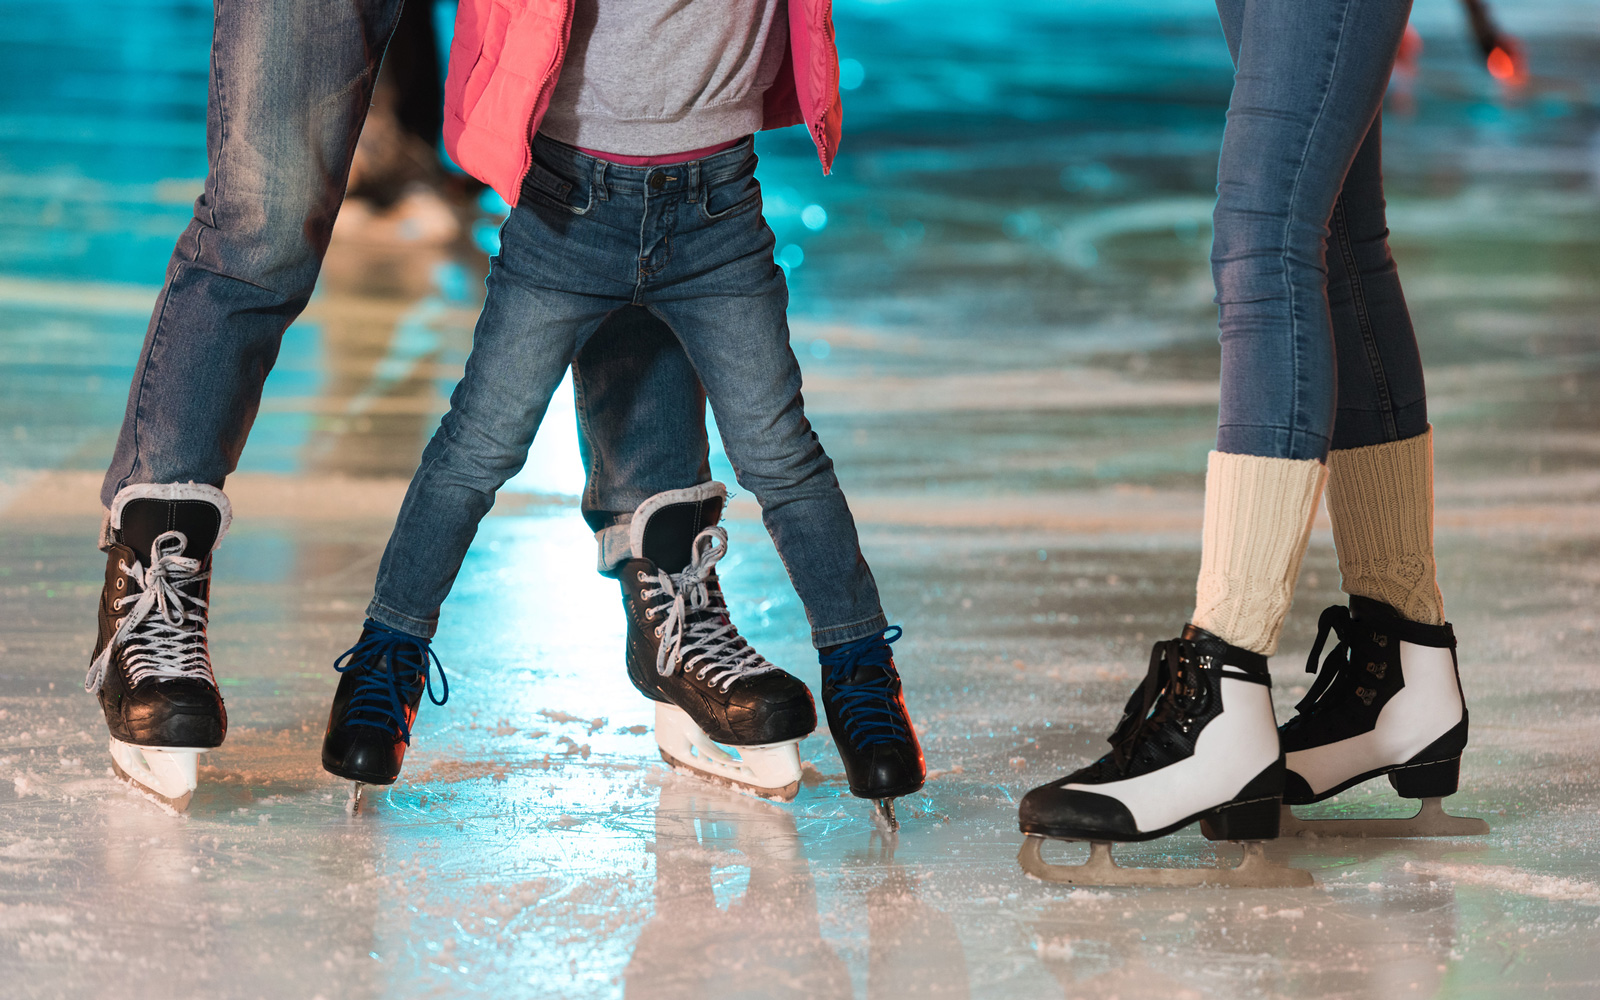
x,y
658,631
122,584
642,576
1381,640
1366,695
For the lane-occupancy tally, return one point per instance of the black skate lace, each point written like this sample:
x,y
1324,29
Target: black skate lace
x,y
165,633
1335,619
697,632
1169,692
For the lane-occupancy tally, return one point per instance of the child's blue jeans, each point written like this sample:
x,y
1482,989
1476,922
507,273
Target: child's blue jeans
x,y
688,244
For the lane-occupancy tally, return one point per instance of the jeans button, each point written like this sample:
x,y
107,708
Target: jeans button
x,y
657,182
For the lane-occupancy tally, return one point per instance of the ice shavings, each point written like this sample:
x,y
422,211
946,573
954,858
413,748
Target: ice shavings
x,y
1507,879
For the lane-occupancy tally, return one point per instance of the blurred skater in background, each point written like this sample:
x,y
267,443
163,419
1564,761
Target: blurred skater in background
x,y
291,81
1321,385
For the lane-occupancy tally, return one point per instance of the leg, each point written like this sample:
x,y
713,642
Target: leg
x,y
1198,742
641,424
1309,83
1380,487
290,83
521,347
1387,700
727,305
754,387
1310,80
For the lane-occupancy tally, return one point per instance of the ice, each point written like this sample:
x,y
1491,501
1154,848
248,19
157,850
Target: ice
x,y
1009,350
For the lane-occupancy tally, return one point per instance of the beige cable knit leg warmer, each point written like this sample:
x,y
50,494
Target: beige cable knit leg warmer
x,y
1258,520
1381,501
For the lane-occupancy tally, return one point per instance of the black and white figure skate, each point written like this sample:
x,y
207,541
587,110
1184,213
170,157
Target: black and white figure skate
x,y
1387,701
1196,743
382,679
152,667
867,715
722,710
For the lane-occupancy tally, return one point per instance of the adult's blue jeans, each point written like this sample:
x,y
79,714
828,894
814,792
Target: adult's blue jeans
x,y
1317,346
290,84
688,244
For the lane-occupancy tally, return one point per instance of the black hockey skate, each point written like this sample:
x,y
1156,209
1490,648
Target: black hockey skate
x,y
380,689
1387,701
684,653
867,716
1196,743
152,667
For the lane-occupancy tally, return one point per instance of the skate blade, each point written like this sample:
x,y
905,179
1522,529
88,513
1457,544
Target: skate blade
x,y
1254,872
1430,821
771,771
357,799
883,817
167,774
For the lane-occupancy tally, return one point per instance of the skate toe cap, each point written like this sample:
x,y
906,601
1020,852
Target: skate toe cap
x,y
354,756
174,713
1056,811
780,708
887,771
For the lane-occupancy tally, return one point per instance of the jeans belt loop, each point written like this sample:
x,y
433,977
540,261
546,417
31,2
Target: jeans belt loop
x,y
598,180
693,185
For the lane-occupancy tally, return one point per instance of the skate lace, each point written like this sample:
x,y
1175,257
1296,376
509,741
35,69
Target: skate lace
x,y
1169,692
697,633
867,708
378,700
1335,619
165,632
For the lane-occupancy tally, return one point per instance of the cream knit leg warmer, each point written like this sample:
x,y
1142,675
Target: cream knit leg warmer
x,y
1381,501
1258,520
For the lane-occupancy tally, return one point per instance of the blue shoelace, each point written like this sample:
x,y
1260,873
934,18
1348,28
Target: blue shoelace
x,y
868,710
377,701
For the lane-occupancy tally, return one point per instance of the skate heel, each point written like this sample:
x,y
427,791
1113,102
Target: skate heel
x,y
1427,781
1256,819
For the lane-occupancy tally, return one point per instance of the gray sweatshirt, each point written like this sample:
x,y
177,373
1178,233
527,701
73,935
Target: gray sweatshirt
x,y
651,77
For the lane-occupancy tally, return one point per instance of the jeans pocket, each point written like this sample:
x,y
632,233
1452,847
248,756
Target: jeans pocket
x,y
551,188
732,194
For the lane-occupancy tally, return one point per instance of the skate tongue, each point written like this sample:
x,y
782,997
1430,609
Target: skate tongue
x,y
144,520
671,530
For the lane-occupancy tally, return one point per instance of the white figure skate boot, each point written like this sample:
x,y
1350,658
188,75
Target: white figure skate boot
x,y
1387,701
1197,743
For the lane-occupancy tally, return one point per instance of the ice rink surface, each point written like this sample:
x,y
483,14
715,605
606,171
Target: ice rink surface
x,y
1003,311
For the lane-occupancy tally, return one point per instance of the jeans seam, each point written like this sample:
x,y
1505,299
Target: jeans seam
x,y
1369,342
591,498
144,376
1294,192
222,134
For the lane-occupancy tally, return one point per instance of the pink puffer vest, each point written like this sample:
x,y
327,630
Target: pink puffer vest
x,y
507,54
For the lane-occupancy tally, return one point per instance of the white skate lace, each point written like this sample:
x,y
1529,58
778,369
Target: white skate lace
x,y
709,644
166,629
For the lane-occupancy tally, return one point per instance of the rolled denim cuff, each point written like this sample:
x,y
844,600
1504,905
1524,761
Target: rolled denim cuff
x,y
400,622
615,546
838,635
